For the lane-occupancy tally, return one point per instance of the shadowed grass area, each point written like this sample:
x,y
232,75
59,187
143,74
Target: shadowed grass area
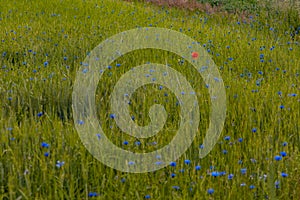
x,y
43,44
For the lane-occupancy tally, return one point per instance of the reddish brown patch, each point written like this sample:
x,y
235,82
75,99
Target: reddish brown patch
x,y
184,4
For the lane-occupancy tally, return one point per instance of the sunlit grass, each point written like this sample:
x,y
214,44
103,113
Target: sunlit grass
x,y
42,46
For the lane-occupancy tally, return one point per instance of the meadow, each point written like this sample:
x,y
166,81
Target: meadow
x,y
43,45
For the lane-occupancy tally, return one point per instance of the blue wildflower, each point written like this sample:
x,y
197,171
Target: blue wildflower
x,y
284,174
278,158
230,176
210,191
176,187
44,145
281,106
187,162
131,163
243,170
227,138
215,174
283,153
277,184
40,114
93,194
59,164
112,116
284,144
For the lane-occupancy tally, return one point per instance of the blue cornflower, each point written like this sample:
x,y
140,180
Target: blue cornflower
x,y
281,106
46,154
230,176
252,187
215,174
292,95
176,187
224,151
137,143
147,196
93,194
254,130
131,163
40,114
283,153
261,56
118,65
159,163
46,63
277,184
284,174
243,170
173,164
80,122
210,191
98,136
112,116
284,144
44,145
227,138
278,158
198,167
240,139
59,164
222,173
187,162
173,175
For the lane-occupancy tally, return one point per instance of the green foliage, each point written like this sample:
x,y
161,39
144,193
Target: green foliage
x,y
72,30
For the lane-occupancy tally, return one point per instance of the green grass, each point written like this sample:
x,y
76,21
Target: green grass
x,y
72,29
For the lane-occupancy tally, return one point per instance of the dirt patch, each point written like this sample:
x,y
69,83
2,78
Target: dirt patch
x,y
191,5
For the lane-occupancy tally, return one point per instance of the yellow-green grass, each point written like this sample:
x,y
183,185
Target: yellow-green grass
x,y
71,29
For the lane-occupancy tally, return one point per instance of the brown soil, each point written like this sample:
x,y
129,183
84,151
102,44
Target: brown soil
x,y
193,5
